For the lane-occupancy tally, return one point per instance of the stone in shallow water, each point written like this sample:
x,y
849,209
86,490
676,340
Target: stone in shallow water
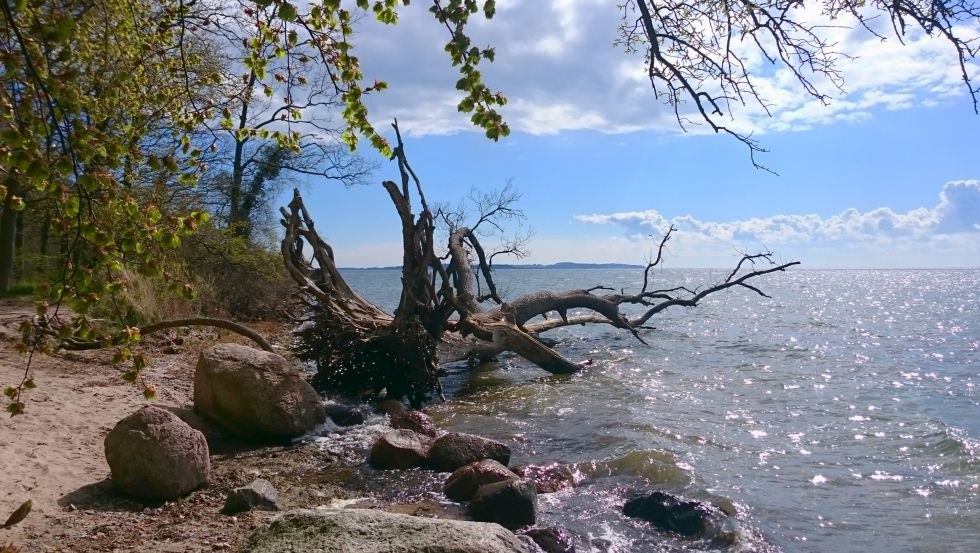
x,y
455,449
673,513
400,449
552,540
510,503
465,481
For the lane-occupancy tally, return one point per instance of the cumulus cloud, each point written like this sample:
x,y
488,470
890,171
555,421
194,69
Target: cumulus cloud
x,y
557,64
958,211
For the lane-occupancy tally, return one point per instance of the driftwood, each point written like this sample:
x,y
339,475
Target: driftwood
x,y
441,299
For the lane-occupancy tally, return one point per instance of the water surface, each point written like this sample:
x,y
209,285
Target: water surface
x,y
840,415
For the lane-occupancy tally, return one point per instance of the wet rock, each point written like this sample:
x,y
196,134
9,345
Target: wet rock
x,y
547,478
371,531
400,449
154,455
454,449
416,421
260,495
552,540
344,415
510,503
391,406
673,513
466,480
255,394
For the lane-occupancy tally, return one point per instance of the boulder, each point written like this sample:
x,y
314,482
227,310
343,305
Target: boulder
x,y
255,394
673,513
154,455
400,449
416,421
510,503
260,495
466,480
547,478
552,540
454,449
372,531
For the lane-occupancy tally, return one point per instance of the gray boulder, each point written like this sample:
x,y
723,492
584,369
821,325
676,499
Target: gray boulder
x,y
260,495
152,454
465,481
255,394
400,449
510,503
372,531
455,449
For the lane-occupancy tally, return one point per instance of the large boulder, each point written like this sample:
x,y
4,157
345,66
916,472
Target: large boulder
x,y
455,449
676,514
547,478
416,421
373,531
400,449
260,495
510,503
255,394
466,480
154,455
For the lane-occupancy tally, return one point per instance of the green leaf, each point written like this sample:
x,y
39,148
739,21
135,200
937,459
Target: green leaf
x,y
287,11
9,391
29,384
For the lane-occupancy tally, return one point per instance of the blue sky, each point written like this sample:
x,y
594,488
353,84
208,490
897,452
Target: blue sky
x,y
888,175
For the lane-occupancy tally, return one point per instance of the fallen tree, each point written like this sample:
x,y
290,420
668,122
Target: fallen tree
x,y
359,349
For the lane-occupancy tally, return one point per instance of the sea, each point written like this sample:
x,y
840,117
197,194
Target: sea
x,y
839,415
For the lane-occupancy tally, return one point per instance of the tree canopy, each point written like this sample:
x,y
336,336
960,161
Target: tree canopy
x,y
101,101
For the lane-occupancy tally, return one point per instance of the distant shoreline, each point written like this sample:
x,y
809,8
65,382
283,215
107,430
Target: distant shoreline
x,y
561,265
573,265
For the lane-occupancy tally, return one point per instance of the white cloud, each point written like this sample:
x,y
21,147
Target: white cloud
x,y
557,65
948,233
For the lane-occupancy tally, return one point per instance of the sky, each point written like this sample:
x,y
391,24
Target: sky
x,y
885,176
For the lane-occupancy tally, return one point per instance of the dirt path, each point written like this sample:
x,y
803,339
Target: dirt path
x,y
54,456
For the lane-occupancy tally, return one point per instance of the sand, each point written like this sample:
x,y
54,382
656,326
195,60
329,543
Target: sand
x,y
53,455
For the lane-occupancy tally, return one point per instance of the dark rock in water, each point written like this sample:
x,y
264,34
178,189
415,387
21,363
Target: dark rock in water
x,y
416,421
256,394
371,531
400,449
552,540
453,450
344,415
260,495
547,478
466,480
391,406
510,503
154,455
669,512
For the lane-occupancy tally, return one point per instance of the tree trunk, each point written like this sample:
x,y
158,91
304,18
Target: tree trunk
x,y
359,349
8,230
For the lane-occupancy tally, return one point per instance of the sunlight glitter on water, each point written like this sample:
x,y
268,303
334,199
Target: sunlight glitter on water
x,y
891,357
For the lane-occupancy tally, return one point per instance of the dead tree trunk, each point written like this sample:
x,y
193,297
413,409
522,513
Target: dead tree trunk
x,y
360,349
